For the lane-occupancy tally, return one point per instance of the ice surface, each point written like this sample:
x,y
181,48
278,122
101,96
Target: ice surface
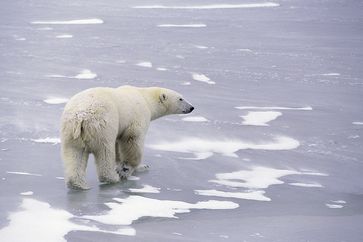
x,y
202,78
205,148
182,25
77,21
303,59
38,221
213,6
126,211
260,118
145,189
195,119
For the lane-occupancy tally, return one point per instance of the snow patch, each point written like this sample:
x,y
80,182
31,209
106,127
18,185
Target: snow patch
x,y
201,47
29,193
249,195
86,74
133,178
145,64
202,78
47,224
64,36
340,201
145,189
78,21
161,69
195,119
253,181
49,140
205,148
22,173
245,50
257,177
45,28
357,123
126,211
297,184
260,118
56,100
212,6
307,108
334,205
331,74
182,25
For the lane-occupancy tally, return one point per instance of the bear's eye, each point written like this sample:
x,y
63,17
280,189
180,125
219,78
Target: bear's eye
x,y
180,99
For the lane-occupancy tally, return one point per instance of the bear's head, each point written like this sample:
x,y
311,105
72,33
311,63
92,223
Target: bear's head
x,y
174,102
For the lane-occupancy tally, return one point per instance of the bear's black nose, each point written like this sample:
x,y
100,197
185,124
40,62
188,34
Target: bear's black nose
x,y
191,109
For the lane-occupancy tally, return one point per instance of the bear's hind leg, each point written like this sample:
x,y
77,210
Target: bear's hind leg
x,y
105,157
75,164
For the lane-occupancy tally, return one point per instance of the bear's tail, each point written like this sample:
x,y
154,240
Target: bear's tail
x,y
77,129
84,128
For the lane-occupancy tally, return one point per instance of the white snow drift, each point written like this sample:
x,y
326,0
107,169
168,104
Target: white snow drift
x,y
38,221
260,118
253,182
125,211
212,6
205,148
77,21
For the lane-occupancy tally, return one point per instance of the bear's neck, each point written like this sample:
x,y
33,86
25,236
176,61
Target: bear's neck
x,y
157,110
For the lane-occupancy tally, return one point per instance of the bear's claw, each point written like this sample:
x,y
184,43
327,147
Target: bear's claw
x,y
142,168
124,171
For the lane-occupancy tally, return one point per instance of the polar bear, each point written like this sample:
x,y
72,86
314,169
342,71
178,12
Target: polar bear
x,y
111,123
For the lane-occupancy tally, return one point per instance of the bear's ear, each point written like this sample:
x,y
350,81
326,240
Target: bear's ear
x,y
163,97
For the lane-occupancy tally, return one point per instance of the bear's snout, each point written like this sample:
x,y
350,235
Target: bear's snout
x,y
188,110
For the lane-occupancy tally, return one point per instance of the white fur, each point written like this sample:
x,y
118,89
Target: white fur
x,y
111,123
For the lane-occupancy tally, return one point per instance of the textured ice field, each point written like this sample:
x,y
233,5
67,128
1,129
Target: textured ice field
x,y
272,152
